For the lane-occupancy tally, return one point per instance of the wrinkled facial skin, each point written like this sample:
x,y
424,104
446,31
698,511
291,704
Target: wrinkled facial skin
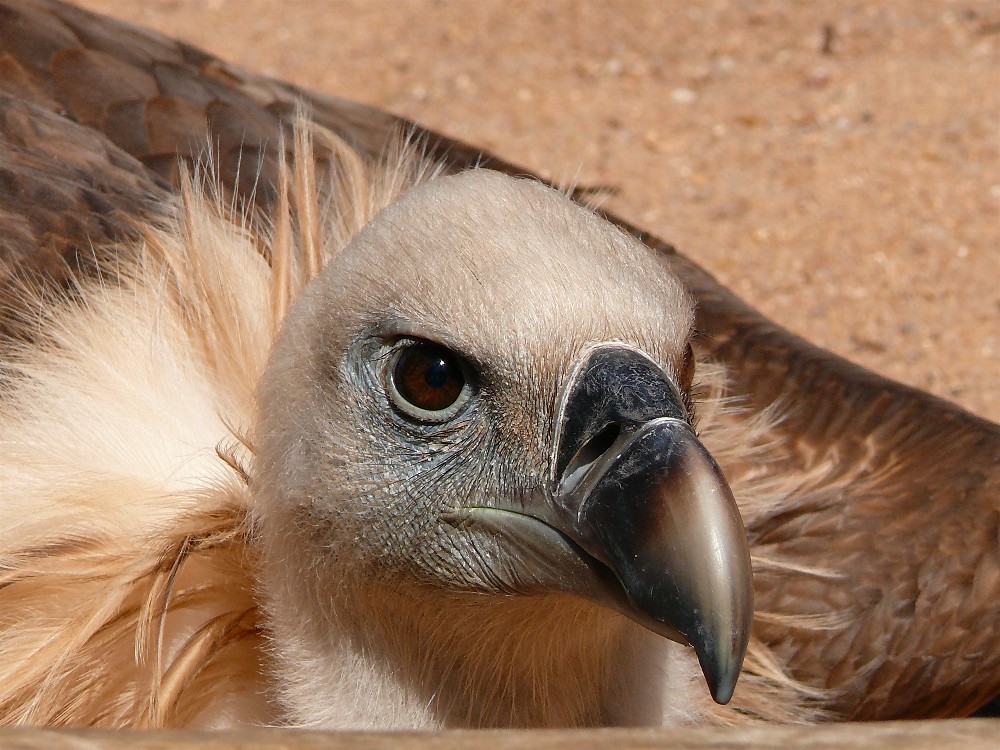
x,y
409,504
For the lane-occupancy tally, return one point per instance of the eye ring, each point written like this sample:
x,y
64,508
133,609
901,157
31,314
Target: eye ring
x,y
428,382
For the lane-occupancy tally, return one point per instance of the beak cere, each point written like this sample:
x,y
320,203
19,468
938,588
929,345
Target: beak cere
x,y
634,488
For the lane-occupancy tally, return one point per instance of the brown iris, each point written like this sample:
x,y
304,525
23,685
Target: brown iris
x,y
428,380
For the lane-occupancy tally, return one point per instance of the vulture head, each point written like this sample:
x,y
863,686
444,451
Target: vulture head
x,y
476,472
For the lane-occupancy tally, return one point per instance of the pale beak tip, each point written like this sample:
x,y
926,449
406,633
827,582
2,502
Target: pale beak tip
x,y
721,676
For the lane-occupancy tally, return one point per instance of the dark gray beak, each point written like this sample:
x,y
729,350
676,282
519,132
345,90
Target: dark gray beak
x,y
634,488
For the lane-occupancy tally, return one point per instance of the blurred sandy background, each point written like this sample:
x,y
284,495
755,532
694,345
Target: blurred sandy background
x,y
836,163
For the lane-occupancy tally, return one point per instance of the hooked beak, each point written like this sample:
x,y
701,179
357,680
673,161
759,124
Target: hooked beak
x,y
634,488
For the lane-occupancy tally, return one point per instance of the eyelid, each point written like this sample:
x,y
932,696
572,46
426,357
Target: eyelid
x,y
402,329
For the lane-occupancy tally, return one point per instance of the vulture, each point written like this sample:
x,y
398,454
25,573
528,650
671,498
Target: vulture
x,y
346,425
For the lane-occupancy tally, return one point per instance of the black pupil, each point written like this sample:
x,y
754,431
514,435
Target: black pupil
x,y
437,373
429,377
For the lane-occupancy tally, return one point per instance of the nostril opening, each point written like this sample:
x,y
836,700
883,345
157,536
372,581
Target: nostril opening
x,y
592,450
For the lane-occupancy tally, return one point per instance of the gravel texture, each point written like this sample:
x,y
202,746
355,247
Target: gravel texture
x,y
836,163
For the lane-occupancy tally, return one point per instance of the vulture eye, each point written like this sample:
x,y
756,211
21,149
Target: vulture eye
x,y
428,382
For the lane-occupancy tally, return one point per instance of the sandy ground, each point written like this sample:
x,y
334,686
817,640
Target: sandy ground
x,y
836,163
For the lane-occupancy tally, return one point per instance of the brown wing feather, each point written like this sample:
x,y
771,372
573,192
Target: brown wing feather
x,y
900,492
894,489
62,187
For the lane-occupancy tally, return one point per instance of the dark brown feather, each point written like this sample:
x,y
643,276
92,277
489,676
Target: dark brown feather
x,y
897,491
